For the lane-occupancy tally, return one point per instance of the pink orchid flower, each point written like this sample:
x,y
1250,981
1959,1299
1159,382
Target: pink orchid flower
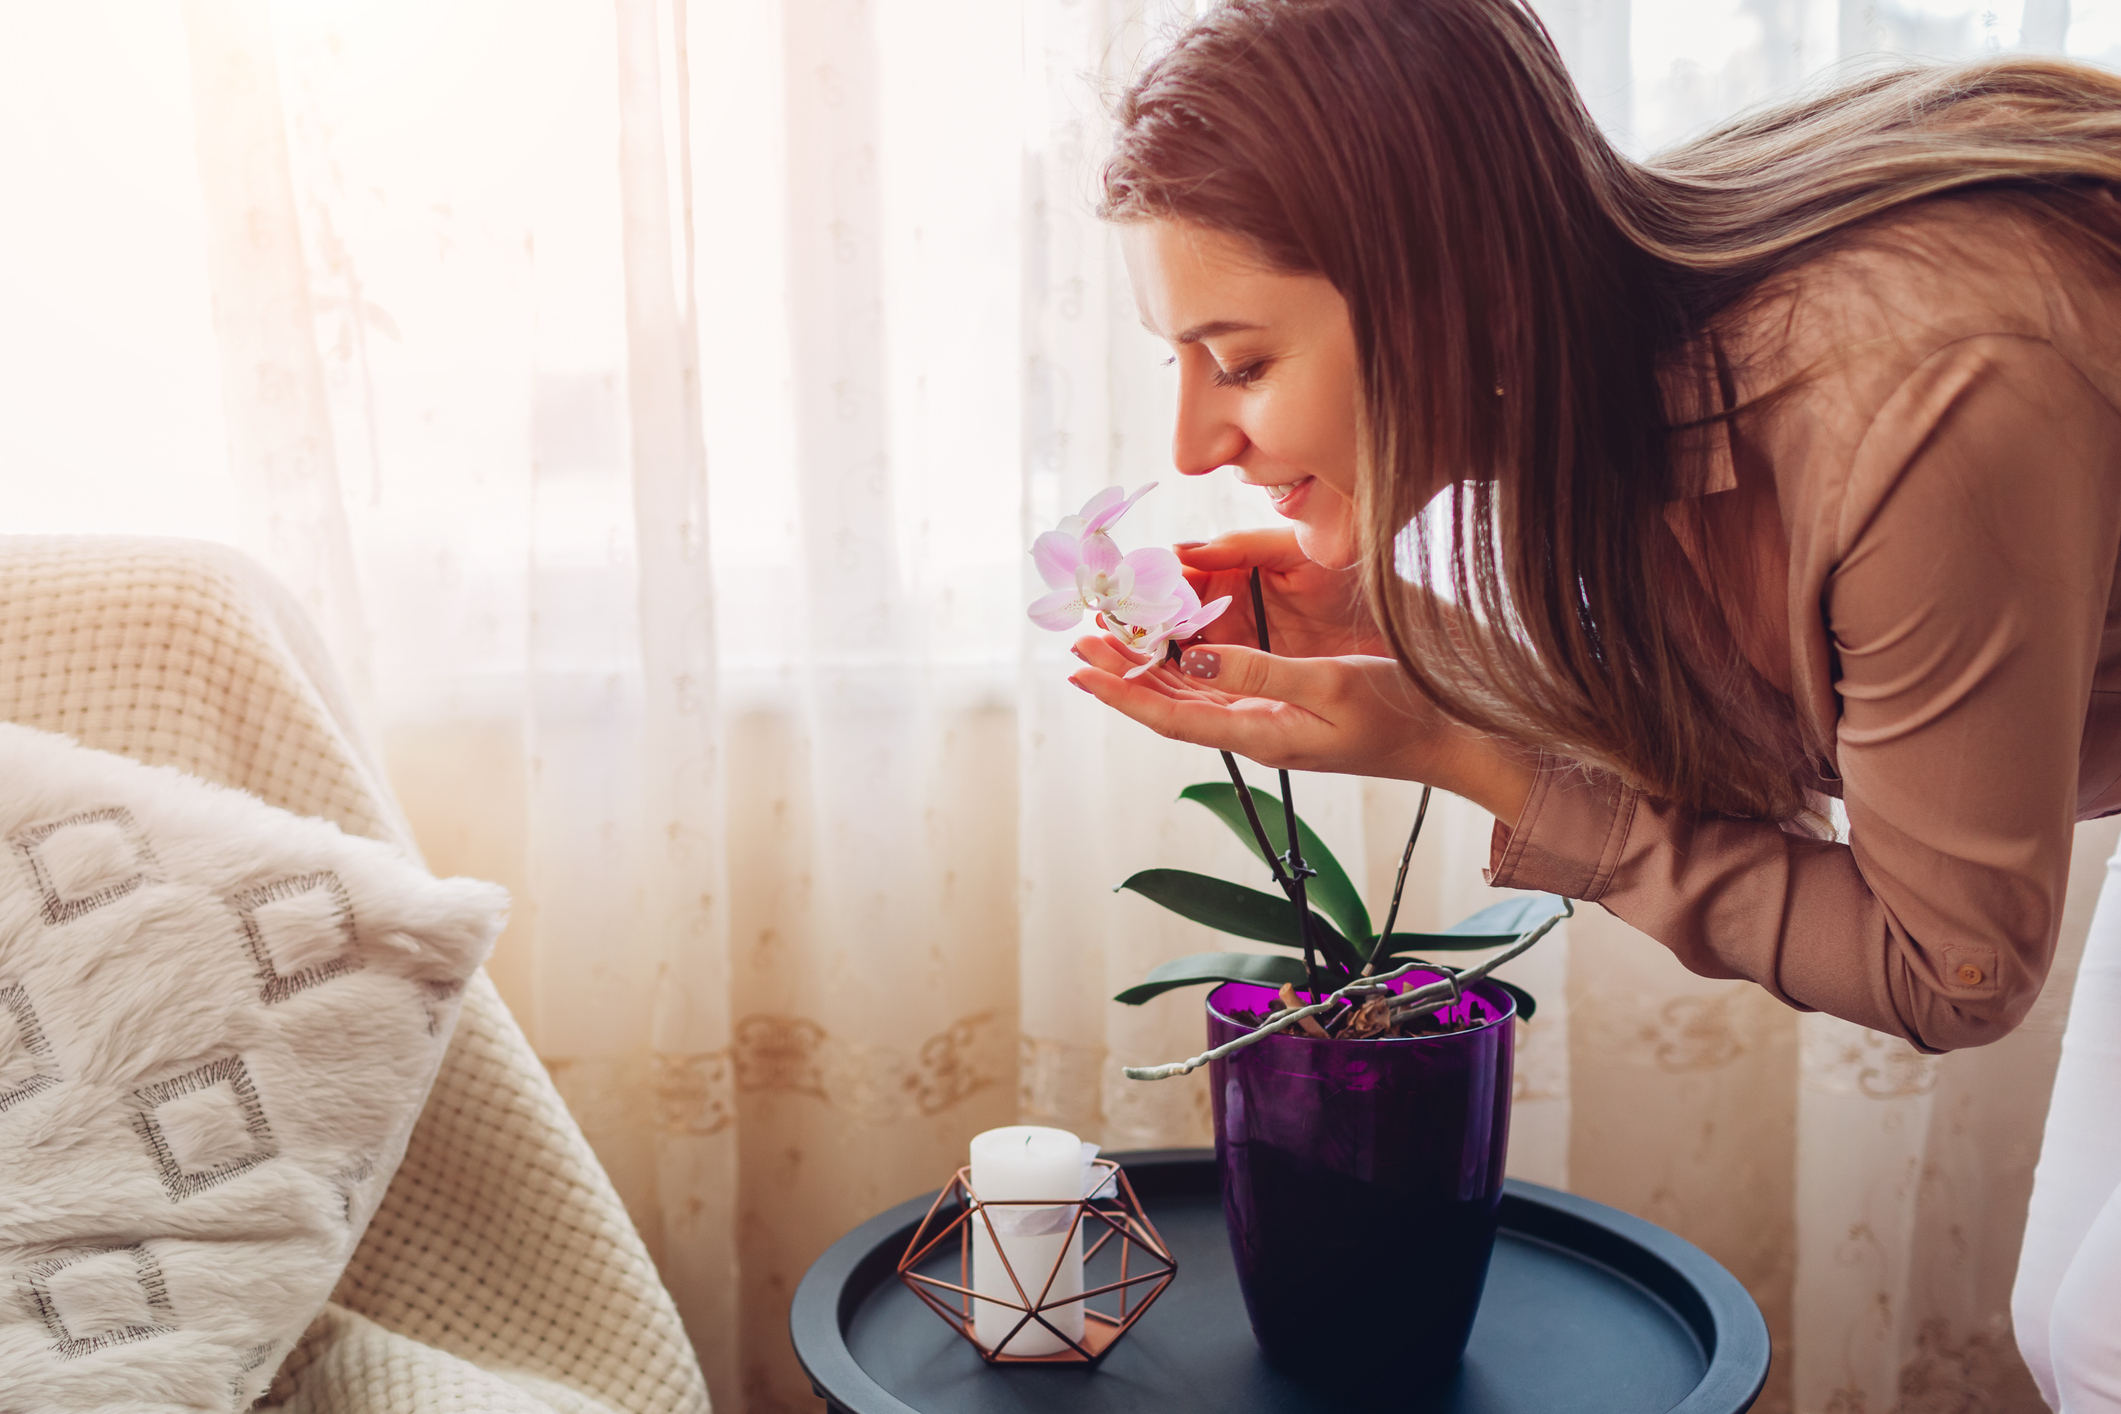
x,y
1188,617
1101,512
1139,585
1084,567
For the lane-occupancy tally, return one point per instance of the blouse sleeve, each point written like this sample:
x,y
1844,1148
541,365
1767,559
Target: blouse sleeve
x,y
1973,561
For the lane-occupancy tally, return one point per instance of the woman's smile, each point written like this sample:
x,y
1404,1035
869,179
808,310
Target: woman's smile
x,y
1288,496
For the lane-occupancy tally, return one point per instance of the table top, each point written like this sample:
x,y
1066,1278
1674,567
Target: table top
x,y
1586,1309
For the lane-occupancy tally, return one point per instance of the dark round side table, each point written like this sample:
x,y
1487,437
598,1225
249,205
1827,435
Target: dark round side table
x,y
1587,1311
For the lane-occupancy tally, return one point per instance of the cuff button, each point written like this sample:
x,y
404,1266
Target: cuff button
x,y
1970,975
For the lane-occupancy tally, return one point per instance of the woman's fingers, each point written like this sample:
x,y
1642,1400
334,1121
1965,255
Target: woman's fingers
x,y
1269,708
1313,611
1102,650
1247,672
1241,549
1223,671
1104,653
1254,728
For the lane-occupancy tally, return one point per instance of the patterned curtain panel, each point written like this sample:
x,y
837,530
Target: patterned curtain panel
x,y
651,401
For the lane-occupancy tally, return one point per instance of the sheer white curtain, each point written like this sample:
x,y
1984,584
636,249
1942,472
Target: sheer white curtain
x,y
652,400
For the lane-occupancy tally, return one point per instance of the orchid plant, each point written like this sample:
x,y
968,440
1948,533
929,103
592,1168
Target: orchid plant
x,y
1143,599
1339,924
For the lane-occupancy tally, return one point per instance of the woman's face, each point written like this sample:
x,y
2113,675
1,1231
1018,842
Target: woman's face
x,y
1267,375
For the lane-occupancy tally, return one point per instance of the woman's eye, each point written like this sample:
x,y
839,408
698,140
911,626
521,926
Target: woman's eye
x,y
1239,377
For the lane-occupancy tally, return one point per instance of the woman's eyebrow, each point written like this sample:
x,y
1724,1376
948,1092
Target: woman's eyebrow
x,y
1214,329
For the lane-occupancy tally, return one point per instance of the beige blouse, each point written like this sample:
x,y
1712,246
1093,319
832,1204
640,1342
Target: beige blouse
x,y
1946,492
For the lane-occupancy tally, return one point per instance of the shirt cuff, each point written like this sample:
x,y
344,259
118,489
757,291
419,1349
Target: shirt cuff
x,y
1571,835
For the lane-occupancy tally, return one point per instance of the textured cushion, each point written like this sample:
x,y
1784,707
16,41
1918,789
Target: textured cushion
x,y
184,653
218,1023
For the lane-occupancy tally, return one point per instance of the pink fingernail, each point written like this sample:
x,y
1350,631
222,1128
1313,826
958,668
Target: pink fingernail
x,y
1075,682
1187,544
1200,663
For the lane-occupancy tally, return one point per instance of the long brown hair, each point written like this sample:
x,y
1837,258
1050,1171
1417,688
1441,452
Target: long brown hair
x,y
1515,285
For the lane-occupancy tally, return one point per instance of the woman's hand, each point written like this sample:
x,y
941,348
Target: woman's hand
x,y
1312,612
1357,715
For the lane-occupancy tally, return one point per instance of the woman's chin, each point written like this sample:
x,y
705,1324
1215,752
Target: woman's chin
x,y
1330,546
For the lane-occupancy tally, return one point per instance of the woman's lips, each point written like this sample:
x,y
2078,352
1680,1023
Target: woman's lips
x,y
1289,496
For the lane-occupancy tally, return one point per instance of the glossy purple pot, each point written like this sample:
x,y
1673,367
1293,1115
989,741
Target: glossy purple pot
x,y
1360,1182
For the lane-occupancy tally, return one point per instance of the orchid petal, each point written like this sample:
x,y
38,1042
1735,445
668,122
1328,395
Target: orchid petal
x,y
1135,612
1140,668
1100,553
1105,515
1057,554
1152,645
1103,501
1057,611
1205,615
1099,587
1157,573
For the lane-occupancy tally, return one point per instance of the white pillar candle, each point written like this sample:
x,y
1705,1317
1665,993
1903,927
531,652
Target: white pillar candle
x,y
1019,1162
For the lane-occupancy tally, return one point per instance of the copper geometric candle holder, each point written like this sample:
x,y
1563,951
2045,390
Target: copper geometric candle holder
x,y
1143,1259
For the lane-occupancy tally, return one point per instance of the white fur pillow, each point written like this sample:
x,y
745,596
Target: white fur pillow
x,y
218,1023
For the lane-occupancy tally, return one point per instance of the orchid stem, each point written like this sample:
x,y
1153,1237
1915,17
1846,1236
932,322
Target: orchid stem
x,y
1281,876
1259,831
1399,884
1259,613
1299,896
1294,860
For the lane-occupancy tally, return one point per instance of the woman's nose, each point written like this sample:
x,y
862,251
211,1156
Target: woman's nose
x,y
1205,437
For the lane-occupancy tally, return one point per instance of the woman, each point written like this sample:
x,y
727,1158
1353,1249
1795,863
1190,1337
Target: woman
x,y
1787,466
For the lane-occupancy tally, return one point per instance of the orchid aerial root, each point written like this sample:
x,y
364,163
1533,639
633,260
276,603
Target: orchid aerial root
x,y
1411,1004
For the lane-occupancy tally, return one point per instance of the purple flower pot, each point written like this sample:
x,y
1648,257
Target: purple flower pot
x,y
1360,1182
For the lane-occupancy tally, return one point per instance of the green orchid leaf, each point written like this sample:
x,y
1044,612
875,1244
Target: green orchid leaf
x,y
1513,916
1229,908
1403,945
1492,927
1526,1002
1331,892
1266,970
